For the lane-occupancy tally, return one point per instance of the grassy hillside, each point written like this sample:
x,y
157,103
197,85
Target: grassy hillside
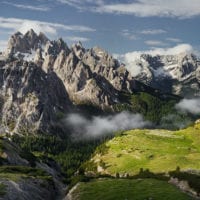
x,y
120,189
155,150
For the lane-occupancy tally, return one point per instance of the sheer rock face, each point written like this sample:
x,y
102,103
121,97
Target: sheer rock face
x,y
25,43
92,76
32,187
40,78
89,76
31,98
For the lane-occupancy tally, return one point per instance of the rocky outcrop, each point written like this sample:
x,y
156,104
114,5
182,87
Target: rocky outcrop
x,y
28,188
90,76
27,177
19,43
184,186
31,98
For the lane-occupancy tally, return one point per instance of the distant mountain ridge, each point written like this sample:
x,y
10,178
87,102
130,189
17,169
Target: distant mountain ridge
x,y
178,74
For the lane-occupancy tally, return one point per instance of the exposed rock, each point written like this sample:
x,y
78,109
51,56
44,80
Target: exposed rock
x,y
40,77
32,99
25,43
197,121
41,181
90,76
10,153
29,188
79,50
184,186
178,74
69,195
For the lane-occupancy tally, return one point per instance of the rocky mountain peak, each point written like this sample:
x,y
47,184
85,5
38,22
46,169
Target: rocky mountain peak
x,y
181,72
30,35
44,79
30,41
42,38
79,50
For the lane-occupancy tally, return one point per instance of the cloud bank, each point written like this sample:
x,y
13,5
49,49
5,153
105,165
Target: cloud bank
x,y
98,126
141,8
23,25
28,7
189,105
153,31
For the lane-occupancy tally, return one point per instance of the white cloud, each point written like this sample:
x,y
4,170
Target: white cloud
x,y
155,43
84,5
128,34
98,126
28,7
153,31
189,105
181,48
175,40
131,59
23,25
77,39
141,8
161,8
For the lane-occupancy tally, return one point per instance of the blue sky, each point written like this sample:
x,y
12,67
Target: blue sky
x,y
115,25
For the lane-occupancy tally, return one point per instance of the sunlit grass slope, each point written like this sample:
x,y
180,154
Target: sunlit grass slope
x,y
155,150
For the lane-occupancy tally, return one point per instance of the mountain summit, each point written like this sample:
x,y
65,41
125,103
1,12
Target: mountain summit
x,y
41,79
89,75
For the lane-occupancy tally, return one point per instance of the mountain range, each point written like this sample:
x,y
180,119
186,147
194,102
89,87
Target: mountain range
x,y
43,83
43,80
178,74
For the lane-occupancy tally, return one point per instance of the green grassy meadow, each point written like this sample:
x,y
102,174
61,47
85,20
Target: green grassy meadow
x,y
127,189
155,150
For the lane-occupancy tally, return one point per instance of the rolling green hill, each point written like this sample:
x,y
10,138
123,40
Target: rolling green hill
x,y
155,150
144,163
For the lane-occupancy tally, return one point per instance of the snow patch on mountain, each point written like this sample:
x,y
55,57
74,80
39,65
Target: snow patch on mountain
x,y
175,70
136,63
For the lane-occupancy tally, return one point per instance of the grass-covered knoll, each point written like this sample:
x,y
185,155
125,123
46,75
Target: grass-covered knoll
x,y
130,189
156,150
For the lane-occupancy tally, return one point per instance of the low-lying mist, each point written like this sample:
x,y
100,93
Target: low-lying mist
x,y
102,125
189,105
95,126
